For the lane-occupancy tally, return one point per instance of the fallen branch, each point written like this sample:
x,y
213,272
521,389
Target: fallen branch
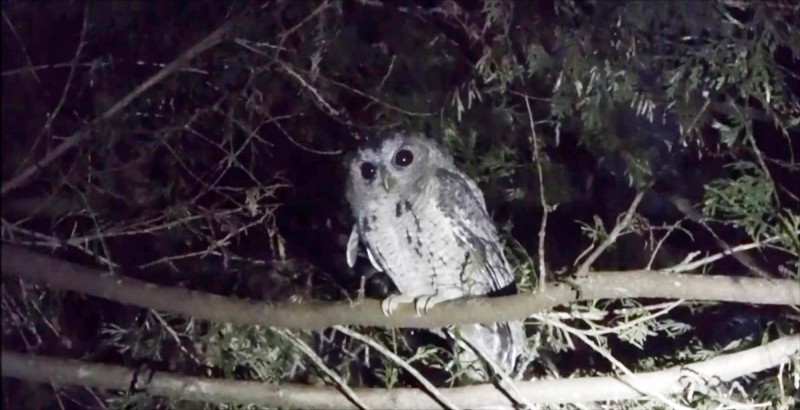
x,y
674,380
60,275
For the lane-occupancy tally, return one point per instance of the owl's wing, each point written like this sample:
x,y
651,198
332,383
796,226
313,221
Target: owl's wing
x,y
462,201
352,250
352,247
503,342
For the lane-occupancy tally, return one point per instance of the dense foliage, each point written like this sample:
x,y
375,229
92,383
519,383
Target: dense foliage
x,y
225,176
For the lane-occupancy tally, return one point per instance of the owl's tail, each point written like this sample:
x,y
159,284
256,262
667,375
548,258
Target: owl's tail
x,y
501,342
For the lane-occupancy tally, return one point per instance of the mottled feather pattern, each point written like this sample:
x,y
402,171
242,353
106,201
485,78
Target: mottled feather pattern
x,y
462,201
425,224
404,246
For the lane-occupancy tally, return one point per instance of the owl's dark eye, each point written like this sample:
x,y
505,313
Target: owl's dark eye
x,y
403,158
367,171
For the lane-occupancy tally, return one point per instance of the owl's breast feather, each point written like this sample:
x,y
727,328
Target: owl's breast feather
x,y
415,243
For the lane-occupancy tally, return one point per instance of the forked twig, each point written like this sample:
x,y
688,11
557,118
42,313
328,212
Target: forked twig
x,y
689,265
432,390
309,352
210,41
612,237
51,116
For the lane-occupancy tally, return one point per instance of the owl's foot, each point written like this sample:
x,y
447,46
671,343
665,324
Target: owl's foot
x,y
389,304
423,303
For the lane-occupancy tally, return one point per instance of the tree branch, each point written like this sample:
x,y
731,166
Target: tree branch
x,y
60,275
575,390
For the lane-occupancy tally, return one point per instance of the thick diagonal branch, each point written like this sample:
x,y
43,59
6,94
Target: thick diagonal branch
x,y
57,274
574,390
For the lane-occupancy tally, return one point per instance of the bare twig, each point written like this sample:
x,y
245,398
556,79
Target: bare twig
x,y
629,324
91,65
309,352
746,260
374,99
697,117
303,147
388,72
545,210
317,96
106,257
51,116
759,156
22,46
214,244
661,241
208,42
613,235
689,265
174,335
505,381
430,388
322,7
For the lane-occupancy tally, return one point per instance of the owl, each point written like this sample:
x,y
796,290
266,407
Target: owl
x,y
424,223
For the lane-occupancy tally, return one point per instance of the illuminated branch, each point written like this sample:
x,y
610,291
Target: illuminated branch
x,y
60,275
696,376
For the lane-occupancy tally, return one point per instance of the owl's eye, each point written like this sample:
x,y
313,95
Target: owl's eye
x,y
367,171
403,158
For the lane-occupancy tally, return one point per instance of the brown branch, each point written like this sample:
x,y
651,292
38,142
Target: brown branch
x,y
61,275
696,376
208,42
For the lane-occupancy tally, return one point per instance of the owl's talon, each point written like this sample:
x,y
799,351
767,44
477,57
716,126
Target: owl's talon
x,y
386,306
421,305
425,303
389,304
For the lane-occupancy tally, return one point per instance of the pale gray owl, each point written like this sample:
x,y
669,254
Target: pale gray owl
x,y
425,224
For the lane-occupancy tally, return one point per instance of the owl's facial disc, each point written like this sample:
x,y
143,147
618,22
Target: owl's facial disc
x,y
401,166
395,166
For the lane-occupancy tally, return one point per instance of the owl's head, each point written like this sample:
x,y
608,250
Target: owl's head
x,y
394,164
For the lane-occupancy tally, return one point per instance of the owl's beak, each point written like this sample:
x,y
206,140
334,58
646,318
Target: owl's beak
x,y
388,181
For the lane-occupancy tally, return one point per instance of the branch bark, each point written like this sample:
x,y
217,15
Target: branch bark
x,y
575,390
316,315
